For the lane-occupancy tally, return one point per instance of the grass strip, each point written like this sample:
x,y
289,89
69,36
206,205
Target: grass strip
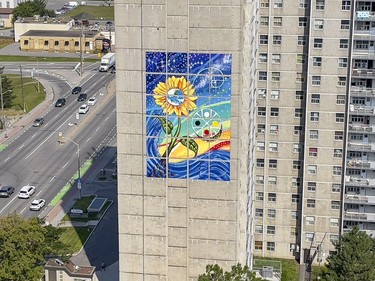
x,y
26,58
2,147
75,237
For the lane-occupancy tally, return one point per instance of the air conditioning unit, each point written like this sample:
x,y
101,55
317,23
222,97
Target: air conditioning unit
x,y
266,272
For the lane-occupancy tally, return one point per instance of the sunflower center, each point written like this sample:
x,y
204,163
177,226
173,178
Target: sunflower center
x,y
175,96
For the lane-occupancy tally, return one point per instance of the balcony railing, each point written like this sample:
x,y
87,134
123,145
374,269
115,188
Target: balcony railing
x,y
361,145
354,90
356,199
355,216
360,127
363,72
362,109
364,164
365,15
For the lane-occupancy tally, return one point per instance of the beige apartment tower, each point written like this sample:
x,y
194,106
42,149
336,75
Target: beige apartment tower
x,y
185,112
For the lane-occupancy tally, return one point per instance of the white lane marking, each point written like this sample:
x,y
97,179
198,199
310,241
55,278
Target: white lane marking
x,y
97,129
21,146
52,178
88,139
23,210
106,119
6,159
47,124
39,193
33,136
65,164
6,206
114,110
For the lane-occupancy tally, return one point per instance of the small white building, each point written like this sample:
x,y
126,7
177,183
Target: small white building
x,y
55,270
9,3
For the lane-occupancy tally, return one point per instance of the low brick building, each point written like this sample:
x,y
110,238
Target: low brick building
x,y
56,270
59,40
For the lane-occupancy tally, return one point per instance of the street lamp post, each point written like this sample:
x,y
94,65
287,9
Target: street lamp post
x,y
79,184
1,95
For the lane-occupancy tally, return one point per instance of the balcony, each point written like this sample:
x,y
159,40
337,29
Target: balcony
x,y
361,146
355,216
354,181
361,109
360,127
356,199
364,72
362,91
361,164
365,15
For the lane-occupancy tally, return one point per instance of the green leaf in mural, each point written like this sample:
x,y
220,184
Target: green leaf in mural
x,y
191,144
166,124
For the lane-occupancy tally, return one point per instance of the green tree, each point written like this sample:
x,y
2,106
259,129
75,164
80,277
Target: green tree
x,y
354,259
31,8
7,90
238,273
24,244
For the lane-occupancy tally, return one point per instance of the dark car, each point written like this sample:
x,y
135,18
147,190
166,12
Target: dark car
x,y
38,122
6,191
82,97
113,70
76,90
60,102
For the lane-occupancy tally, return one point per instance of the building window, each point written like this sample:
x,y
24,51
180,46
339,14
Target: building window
x,y
271,246
258,213
259,196
301,58
295,198
319,4
258,229
262,58
309,237
297,148
296,182
299,95
296,165
271,213
276,58
340,117
274,129
314,116
303,4
334,222
276,40
87,44
56,43
277,21
298,112
301,41
314,134
273,146
274,112
271,229
262,93
335,205
271,197
337,152
345,25
259,179
263,75
76,43
310,220
264,21
336,170
318,43
261,111
311,169
263,39
340,99
272,163
315,80
261,128
341,81
339,135
26,42
318,24
275,77
260,145
344,43
277,3
313,151
272,180
66,43
336,188
297,130
300,78
275,94
302,21
264,3
260,163
310,203
294,215
334,238
317,61
45,42
258,245
315,98
345,5
311,186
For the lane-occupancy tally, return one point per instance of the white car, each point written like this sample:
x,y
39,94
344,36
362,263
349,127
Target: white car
x,y
83,109
92,101
37,204
26,192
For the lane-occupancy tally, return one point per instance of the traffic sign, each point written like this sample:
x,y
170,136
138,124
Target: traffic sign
x,y
79,184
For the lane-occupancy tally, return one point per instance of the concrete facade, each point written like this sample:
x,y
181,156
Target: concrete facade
x,y
6,15
170,229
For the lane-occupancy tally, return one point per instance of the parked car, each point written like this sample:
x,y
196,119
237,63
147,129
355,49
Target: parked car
x,y
38,122
6,191
26,192
76,90
83,109
60,102
92,101
82,97
37,204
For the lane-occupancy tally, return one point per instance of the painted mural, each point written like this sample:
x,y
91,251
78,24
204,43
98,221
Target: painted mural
x,y
188,109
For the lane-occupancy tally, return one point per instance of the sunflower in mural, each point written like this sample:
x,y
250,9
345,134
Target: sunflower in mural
x,y
177,96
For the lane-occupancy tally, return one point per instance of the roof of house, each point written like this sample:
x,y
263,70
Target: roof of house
x,y
60,33
6,11
70,268
43,20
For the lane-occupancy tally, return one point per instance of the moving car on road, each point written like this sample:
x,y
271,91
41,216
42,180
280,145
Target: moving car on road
x,y
83,109
60,102
82,97
38,122
26,192
92,101
6,191
76,90
37,204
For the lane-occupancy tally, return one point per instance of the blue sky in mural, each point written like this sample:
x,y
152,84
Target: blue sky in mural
x,y
188,107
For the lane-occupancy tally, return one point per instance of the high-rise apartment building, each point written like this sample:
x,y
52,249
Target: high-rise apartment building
x,y
244,128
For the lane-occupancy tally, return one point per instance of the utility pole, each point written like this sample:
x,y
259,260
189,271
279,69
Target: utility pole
x,y
81,49
22,93
2,102
37,71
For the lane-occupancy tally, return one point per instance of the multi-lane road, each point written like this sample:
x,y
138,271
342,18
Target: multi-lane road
x,y
34,157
